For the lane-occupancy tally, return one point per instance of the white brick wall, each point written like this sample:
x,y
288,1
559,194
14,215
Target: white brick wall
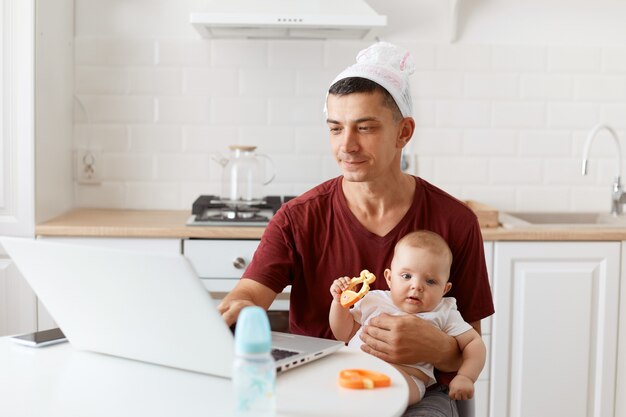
x,y
574,59
116,109
463,114
614,59
503,124
546,87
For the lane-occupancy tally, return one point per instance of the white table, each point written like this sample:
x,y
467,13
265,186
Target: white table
x,y
60,381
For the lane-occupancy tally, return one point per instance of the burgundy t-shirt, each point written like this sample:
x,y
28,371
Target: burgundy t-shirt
x,y
314,239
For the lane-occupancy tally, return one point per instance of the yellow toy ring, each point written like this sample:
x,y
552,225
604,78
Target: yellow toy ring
x,y
349,297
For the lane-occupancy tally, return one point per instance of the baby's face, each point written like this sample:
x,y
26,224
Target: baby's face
x,y
418,279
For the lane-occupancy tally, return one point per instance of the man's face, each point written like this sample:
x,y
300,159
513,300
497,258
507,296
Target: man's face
x,y
365,139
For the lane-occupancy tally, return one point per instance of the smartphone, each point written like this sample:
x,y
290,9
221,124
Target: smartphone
x,y
42,338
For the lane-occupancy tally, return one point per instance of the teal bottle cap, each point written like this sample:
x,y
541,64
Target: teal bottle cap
x,y
253,334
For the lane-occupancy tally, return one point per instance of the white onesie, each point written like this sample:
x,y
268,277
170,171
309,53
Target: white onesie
x,y
445,317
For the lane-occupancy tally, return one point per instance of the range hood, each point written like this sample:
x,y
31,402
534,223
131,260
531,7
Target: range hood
x,y
300,19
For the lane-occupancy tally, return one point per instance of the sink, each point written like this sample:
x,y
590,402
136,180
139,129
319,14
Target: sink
x,y
547,219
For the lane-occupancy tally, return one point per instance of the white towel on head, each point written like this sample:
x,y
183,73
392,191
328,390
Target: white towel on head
x,y
389,66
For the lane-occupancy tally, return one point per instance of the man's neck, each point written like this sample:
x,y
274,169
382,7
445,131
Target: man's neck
x,y
380,205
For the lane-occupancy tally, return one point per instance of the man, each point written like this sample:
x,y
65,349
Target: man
x,y
352,223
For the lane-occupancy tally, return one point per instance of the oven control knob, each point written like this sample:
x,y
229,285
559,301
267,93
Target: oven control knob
x,y
239,262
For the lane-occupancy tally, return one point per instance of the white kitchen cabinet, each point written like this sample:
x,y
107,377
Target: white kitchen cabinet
x,y
554,335
17,110
620,385
481,396
18,308
36,63
221,262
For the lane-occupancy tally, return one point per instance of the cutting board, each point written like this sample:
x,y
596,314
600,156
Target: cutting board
x,y
487,215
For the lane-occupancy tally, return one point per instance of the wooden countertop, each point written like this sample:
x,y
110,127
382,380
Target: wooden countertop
x,y
138,223
171,224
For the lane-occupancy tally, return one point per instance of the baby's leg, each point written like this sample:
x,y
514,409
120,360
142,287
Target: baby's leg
x,y
417,388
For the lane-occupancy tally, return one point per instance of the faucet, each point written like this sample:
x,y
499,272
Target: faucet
x,y
618,195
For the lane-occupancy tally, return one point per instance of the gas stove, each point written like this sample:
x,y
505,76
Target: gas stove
x,y
209,210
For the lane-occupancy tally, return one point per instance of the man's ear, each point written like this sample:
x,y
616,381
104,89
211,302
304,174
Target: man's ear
x,y
407,127
447,287
388,277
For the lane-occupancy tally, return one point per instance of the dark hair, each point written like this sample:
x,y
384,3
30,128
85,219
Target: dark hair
x,y
353,85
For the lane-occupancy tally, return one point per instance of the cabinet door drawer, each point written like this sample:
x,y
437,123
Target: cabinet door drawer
x,y
555,297
225,259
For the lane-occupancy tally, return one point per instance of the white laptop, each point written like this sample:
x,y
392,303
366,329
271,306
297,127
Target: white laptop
x,y
139,305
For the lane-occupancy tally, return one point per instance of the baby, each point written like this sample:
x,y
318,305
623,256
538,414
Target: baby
x,y
417,280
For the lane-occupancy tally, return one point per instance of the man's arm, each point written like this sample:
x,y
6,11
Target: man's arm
x,y
247,292
409,339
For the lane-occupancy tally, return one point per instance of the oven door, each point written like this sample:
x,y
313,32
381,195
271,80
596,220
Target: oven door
x,y
221,262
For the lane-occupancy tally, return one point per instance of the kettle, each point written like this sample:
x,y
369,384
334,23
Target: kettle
x,y
243,175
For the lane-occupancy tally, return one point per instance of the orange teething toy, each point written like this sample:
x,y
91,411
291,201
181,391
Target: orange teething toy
x,y
349,297
361,378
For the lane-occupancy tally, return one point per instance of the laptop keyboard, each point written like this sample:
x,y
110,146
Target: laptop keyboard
x,y
279,354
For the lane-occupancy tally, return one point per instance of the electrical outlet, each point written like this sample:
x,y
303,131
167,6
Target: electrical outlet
x,y
89,166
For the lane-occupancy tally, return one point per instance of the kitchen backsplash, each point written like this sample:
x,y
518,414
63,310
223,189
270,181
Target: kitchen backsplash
x,y
502,124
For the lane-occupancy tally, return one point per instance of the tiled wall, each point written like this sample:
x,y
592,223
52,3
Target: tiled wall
x,y
500,124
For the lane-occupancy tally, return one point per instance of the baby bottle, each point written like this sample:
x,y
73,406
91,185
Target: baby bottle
x,y
254,369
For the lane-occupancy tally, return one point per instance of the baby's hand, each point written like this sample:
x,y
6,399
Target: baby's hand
x,y
461,388
338,286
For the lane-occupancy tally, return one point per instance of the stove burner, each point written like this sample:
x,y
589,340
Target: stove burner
x,y
209,210
240,212
253,218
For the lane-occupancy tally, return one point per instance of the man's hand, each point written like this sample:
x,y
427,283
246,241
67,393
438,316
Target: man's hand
x,y
246,293
230,310
409,339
